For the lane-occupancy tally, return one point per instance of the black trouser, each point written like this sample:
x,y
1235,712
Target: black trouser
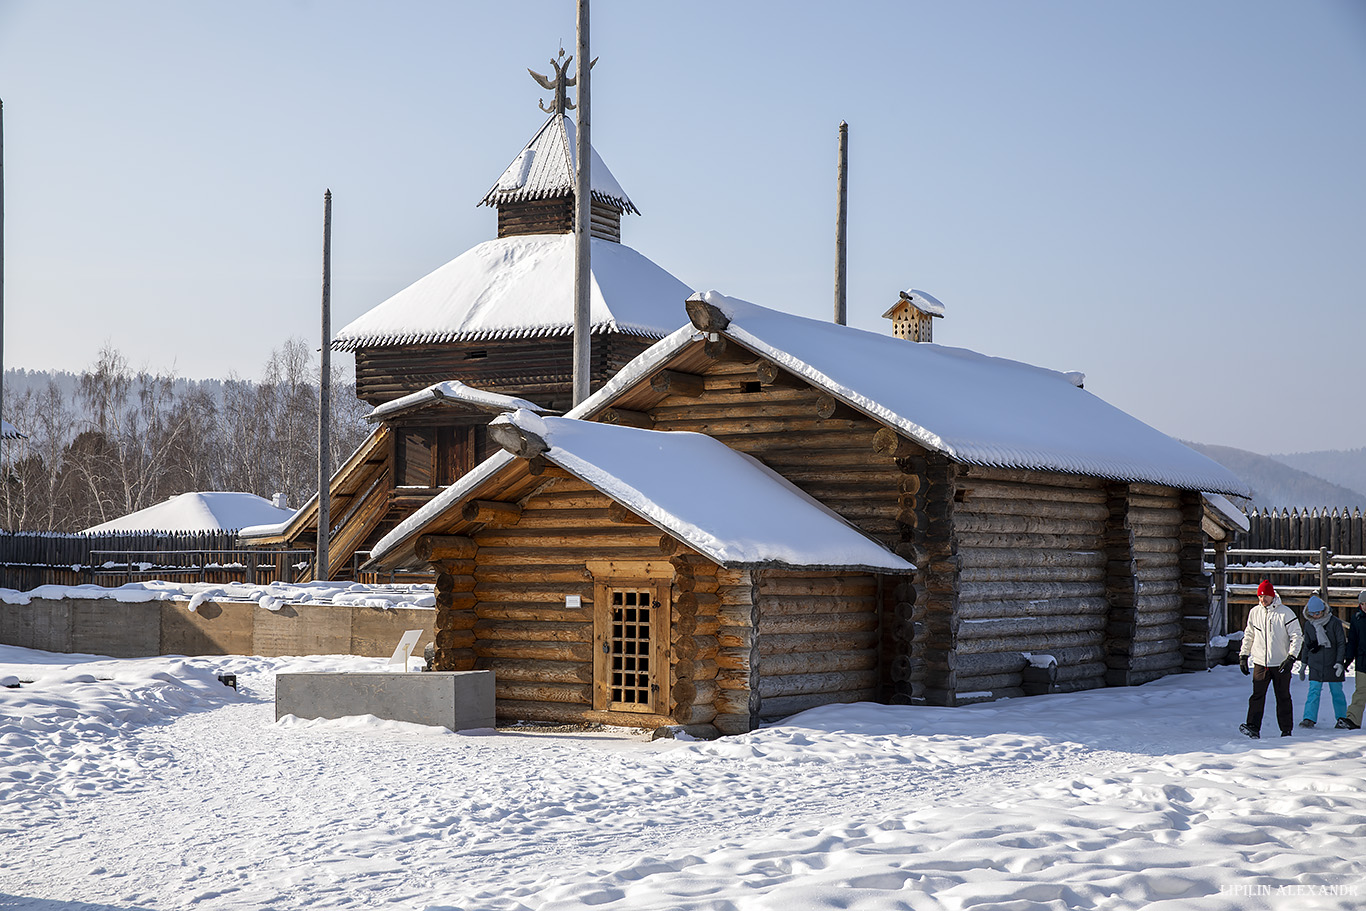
x,y
1256,706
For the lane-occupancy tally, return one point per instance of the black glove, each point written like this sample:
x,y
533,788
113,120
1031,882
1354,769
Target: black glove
x,y
1242,666
1286,665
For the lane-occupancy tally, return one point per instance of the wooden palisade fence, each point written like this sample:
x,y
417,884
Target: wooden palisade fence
x,y
28,560
1300,552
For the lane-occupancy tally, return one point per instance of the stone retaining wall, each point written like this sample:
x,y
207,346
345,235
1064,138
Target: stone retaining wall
x,y
101,626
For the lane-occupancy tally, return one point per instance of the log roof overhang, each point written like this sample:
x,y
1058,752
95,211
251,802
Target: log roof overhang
x,y
743,515
454,397
1221,519
351,480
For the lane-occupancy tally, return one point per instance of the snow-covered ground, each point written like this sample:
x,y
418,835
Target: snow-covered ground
x,y
146,784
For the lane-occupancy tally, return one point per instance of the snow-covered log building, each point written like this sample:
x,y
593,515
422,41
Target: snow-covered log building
x,y
487,332
909,522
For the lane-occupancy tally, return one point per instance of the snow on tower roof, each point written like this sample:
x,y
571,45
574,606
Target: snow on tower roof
x,y
213,511
973,408
545,169
522,287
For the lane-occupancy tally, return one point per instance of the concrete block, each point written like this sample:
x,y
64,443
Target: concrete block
x,y
41,624
213,628
103,626
459,700
302,629
374,630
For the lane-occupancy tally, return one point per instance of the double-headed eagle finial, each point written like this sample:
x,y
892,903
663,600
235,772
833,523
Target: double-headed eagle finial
x,y
559,84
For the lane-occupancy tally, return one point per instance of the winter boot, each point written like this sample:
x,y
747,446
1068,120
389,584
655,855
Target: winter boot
x,y
1306,723
1247,729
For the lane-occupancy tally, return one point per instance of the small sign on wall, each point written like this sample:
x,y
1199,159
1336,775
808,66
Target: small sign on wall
x,y
573,601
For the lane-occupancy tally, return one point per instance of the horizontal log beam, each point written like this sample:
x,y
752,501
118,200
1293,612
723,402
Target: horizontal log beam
x,y
491,512
430,548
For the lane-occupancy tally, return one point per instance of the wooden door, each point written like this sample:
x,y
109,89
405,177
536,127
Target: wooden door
x,y
631,632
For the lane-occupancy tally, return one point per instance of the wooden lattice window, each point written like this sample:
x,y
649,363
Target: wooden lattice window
x,y
631,646
631,635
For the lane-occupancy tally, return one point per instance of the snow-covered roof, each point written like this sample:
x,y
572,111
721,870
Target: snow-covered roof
x,y
976,409
211,511
746,515
522,287
1229,514
925,303
545,169
9,432
453,392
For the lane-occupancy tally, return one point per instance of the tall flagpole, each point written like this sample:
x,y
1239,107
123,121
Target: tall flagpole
x,y
323,569
2,262
583,214
842,230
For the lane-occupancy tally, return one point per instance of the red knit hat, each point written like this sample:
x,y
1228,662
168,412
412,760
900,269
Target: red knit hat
x,y
1266,589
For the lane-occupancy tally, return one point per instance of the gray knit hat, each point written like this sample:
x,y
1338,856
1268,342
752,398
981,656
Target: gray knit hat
x,y
1361,598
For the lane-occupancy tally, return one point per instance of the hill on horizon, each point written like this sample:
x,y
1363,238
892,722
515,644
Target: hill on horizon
x,y
1276,484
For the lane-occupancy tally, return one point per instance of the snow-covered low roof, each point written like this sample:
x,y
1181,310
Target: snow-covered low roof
x,y
545,169
724,504
453,392
522,287
1228,513
976,409
211,511
925,303
9,432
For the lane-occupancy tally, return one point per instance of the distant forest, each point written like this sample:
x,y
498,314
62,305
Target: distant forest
x,y
110,440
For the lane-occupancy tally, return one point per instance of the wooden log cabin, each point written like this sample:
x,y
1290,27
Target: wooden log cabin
x,y
497,319
1056,541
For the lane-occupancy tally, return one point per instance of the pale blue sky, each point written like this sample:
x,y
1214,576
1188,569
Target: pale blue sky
x,y
1168,196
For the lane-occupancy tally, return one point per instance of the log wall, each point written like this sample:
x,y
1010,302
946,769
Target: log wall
x,y
1155,515
503,608
537,369
1032,580
831,458
737,655
818,640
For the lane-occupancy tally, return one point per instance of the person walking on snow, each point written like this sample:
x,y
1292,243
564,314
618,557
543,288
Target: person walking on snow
x,y
1324,657
1271,643
1356,652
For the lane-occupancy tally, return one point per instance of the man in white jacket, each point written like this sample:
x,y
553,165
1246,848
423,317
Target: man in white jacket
x,y
1271,643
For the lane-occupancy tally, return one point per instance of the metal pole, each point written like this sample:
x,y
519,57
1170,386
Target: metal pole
x,y
583,214
322,567
841,231
2,262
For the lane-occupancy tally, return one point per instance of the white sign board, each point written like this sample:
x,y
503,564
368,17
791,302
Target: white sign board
x,y
399,660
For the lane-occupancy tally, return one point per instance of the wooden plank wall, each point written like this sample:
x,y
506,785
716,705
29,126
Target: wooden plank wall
x,y
1032,579
818,640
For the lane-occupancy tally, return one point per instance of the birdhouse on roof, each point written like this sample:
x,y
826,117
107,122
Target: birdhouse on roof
x,y
911,316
